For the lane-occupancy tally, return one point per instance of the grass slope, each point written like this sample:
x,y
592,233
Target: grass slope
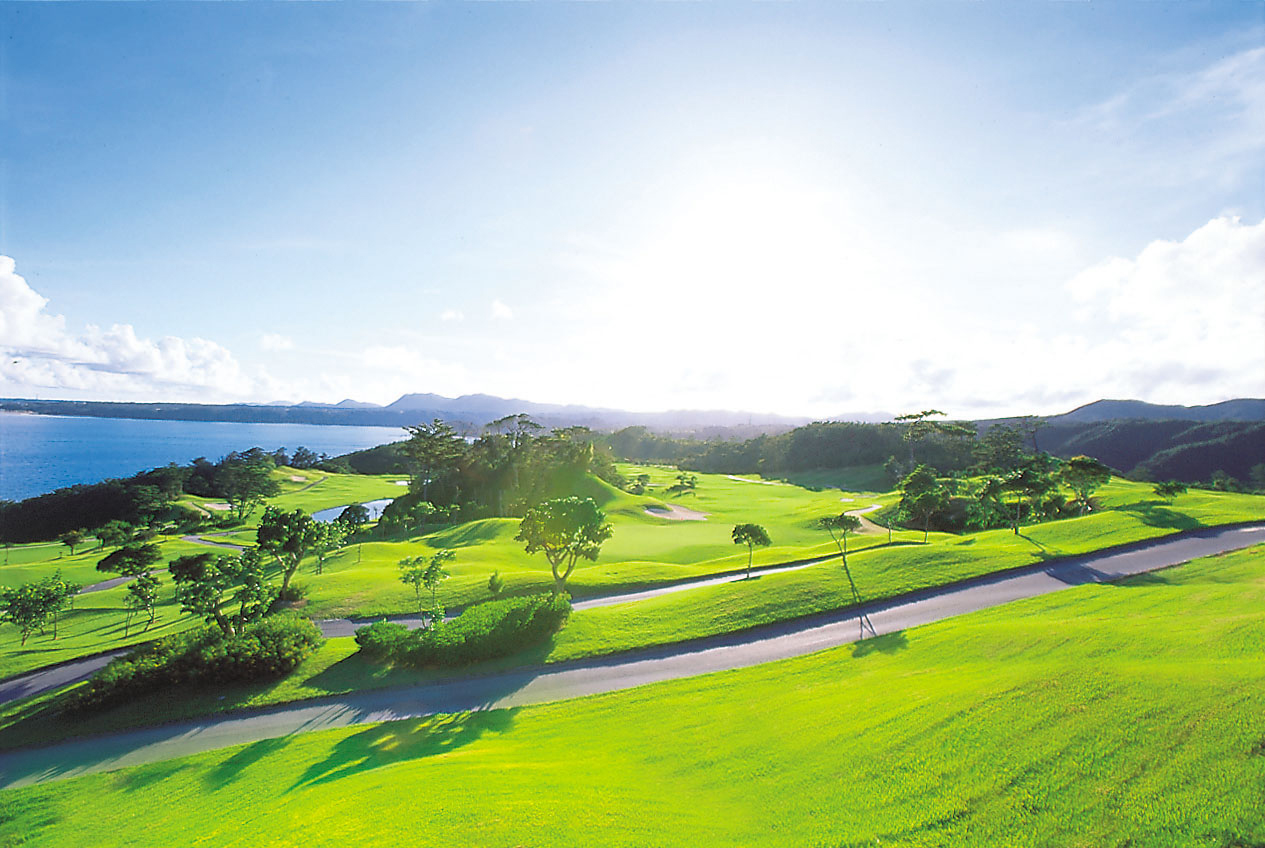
x,y
1085,718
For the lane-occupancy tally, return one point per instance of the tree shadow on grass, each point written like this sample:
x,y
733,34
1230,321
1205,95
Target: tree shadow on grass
x,y
1154,514
1042,552
229,769
888,643
357,672
466,535
141,778
397,741
897,543
1149,578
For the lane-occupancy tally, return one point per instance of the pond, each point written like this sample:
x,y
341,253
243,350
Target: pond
x,y
375,510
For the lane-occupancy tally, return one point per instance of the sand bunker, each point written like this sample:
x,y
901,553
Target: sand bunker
x,y
295,478
217,507
672,512
758,482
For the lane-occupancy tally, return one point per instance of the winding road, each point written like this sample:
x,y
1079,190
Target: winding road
x,y
587,677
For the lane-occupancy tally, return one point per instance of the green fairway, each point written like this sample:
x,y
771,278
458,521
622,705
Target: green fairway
x,y
645,550
1118,714
96,622
312,491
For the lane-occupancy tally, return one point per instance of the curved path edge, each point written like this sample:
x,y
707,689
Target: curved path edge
x,y
539,685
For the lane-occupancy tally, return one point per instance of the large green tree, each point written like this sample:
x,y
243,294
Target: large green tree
x,y
433,450
26,607
999,450
753,536
203,583
1028,486
564,530
142,596
30,606
1083,475
131,560
72,539
922,496
328,538
115,533
354,516
1170,489
918,426
287,536
245,480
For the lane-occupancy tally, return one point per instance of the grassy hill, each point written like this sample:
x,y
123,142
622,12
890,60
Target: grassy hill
x,y
1123,714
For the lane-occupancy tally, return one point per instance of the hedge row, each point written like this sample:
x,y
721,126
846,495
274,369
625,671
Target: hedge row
x,y
484,631
265,649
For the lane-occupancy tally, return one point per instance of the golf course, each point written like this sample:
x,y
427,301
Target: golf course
x,y
935,687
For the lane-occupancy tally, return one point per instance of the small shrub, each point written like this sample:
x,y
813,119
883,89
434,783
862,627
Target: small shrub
x,y
484,631
268,648
382,640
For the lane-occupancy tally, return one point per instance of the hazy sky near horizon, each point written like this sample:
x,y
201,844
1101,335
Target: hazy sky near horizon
x,y
800,208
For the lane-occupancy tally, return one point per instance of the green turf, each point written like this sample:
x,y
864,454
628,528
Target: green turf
x,y
647,550
856,478
644,550
316,490
1129,714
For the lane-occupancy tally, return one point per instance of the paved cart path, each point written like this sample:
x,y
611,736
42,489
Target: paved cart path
x,y
586,677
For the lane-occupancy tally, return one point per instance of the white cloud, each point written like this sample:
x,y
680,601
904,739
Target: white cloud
x,y
1181,320
275,342
500,311
814,320
452,315
40,353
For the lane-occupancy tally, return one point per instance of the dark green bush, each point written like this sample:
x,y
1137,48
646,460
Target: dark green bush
x,y
482,632
382,640
268,648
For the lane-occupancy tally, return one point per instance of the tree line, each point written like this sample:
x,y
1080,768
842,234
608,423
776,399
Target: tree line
x,y
1226,455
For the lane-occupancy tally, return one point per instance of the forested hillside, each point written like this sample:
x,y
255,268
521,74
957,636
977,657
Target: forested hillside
x,y
1189,451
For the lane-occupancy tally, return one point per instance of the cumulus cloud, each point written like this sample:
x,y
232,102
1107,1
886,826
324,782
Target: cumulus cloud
x,y
40,352
452,315
275,342
500,311
1182,316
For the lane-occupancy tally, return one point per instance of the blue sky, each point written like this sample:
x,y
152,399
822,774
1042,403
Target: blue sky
x,y
797,208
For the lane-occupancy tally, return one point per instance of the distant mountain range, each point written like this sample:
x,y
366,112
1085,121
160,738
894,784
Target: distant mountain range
x,y
1242,409
1150,441
477,410
472,411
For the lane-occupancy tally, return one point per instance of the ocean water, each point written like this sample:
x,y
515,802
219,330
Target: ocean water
x,y
39,453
